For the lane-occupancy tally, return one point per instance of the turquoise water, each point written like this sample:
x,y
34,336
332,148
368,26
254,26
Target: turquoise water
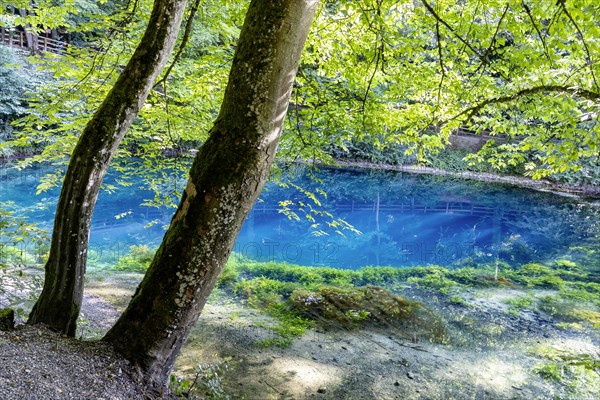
x,y
345,218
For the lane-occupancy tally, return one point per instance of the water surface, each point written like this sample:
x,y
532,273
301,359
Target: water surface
x,y
345,218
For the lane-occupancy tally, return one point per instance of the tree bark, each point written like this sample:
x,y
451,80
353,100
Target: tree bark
x,y
226,177
60,300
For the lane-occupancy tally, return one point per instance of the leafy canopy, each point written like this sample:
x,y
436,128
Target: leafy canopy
x,y
391,72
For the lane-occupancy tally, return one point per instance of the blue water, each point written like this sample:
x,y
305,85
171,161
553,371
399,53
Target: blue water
x,y
362,218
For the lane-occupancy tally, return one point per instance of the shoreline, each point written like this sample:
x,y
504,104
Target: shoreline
x,y
590,194
587,193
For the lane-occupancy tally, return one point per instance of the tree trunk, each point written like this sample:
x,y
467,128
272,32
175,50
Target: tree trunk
x,y
60,301
226,177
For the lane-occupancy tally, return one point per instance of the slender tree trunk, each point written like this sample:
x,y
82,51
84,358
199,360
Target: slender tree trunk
x,y
226,177
60,301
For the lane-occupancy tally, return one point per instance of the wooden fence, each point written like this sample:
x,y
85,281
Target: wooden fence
x,y
26,40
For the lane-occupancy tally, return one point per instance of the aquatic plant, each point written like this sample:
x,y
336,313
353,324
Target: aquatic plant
x,y
436,279
588,316
229,274
204,380
289,325
583,292
262,289
577,372
302,274
536,275
518,304
459,301
137,260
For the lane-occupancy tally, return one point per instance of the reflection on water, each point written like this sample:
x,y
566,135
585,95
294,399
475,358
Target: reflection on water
x,y
394,219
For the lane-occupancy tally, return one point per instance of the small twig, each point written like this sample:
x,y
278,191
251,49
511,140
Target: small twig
x,y
562,5
271,386
440,55
184,41
491,46
530,15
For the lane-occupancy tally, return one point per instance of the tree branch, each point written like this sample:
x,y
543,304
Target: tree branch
x,y
471,111
561,4
528,12
189,24
440,20
371,78
489,49
442,69
482,57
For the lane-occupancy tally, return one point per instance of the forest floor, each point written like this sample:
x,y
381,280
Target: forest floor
x,y
487,352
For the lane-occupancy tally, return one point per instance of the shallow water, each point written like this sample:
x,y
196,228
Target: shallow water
x,y
345,218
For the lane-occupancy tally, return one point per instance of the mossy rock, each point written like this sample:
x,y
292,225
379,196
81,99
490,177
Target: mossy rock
x,y
369,305
7,319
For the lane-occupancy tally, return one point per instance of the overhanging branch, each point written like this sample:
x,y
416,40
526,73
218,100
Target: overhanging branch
x,y
572,90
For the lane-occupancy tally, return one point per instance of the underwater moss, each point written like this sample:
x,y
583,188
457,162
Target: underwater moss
x,y
459,301
587,316
551,371
518,304
262,288
536,275
307,276
436,279
344,298
577,372
582,292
